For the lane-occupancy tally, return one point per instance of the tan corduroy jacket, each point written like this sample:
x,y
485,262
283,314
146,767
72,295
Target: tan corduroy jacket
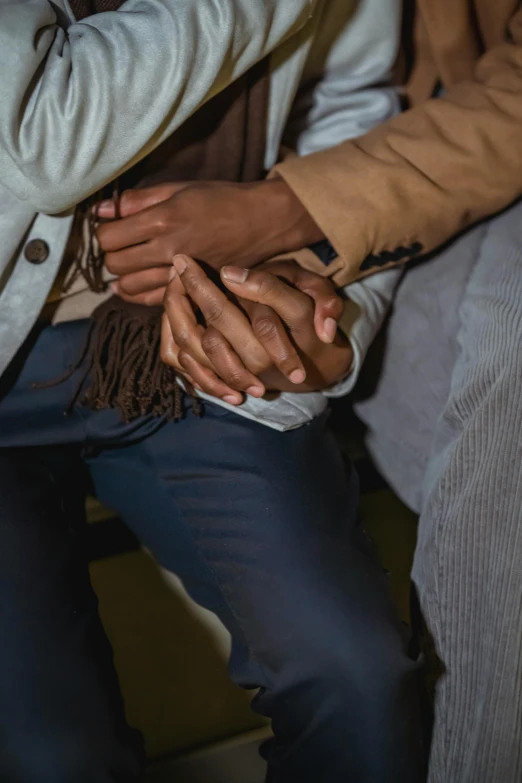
x,y
414,182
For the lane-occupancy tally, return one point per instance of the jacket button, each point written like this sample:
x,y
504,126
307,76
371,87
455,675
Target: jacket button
x,y
36,251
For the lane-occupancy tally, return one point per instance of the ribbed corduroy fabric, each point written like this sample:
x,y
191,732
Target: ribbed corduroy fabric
x,y
446,430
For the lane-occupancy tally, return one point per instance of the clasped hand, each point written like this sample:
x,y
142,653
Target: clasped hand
x,y
273,328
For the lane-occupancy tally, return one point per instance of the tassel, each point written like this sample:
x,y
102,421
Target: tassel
x,y
122,368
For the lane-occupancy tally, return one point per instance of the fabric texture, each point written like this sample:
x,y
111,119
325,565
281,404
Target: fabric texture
x,y
261,527
411,184
444,427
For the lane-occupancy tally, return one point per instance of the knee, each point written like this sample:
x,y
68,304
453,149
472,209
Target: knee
x,y
370,658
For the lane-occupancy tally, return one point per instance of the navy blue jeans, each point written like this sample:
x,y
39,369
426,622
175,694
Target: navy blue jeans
x,y
260,526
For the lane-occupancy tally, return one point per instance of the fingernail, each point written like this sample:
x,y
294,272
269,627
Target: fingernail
x,y
297,376
172,274
231,400
234,275
330,329
180,264
255,391
105,206
115,288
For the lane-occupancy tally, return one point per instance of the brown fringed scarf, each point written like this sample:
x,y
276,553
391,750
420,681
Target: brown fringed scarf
x,y
224,140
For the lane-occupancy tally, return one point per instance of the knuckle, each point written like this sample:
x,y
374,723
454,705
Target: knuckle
x,y
127,198
171,299
284,358
174,293
193,284
125,287
184,360
213,311
334,305
160,222
151,298
181,337
212,342
258,366
265,327
258,359
167,355
236,379
110,263
100,232
306,307
265,284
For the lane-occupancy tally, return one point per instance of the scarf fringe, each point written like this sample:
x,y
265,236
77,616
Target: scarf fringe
x,y
121,366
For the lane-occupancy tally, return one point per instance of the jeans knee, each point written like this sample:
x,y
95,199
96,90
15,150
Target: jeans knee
x,y
367,660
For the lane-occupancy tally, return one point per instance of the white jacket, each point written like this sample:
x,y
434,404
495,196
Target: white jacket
x,y
81,102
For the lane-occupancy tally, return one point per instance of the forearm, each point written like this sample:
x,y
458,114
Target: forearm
x,y
415,182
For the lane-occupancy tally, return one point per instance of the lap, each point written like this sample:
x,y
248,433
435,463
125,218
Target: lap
x,y
260,525
262,528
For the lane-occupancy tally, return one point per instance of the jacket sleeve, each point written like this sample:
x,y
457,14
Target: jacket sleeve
x,y
413,183
79,102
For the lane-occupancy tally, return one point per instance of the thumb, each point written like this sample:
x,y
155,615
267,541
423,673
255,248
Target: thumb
x,y
133,201
329,307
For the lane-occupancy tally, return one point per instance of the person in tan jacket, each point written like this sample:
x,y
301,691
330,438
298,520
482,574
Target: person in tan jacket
x,y
440,183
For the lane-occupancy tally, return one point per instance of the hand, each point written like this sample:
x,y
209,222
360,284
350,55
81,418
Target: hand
x,y
215,222
234,353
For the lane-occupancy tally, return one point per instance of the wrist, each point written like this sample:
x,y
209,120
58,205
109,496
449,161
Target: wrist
x,y
285,223
340,364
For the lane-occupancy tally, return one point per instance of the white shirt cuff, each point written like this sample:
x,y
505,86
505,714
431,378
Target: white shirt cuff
x,y
367,303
